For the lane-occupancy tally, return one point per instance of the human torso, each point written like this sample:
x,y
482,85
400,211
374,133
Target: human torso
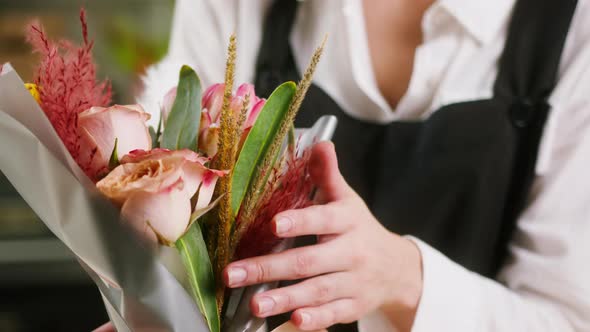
x,y
457,62
460,179
394,31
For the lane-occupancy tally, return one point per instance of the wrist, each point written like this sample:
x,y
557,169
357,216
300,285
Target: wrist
x,y
404,297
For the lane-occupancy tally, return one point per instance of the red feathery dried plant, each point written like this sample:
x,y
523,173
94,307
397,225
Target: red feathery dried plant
x,y
290,189
67,84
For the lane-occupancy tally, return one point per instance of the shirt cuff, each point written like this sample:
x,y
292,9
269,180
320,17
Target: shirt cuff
x,y
450,294
375,321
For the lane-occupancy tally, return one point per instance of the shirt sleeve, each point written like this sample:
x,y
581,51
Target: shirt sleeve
x,y
545,282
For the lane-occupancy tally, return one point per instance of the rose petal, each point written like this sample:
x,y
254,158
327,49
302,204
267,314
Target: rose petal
x,y
137,156
127,179
207,189
130,129
97,136
213,100
98,127
209,140
91,156
193,175
253,115
246,89
205,121
167,212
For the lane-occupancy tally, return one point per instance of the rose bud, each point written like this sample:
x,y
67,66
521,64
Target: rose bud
x,y
212,101
98,127
212,105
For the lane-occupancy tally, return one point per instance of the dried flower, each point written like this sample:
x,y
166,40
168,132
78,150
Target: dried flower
x,y
67,84
287,190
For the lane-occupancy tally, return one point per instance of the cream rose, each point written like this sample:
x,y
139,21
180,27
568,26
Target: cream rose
x,y
98,127
154,189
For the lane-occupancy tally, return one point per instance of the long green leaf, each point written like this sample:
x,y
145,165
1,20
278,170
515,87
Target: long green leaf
x,y
114,159
193,251
259,140
182,125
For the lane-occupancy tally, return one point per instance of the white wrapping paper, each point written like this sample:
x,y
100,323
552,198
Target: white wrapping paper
x,y
140,294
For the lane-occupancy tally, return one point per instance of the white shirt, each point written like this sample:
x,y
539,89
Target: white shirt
x,y
545,285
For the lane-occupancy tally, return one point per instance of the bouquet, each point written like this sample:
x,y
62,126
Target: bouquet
x,y
205,182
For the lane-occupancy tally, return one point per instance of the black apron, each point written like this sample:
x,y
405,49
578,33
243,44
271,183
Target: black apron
x,y
460,179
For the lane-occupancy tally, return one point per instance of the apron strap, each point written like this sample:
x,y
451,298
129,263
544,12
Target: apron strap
x,y
531,58
275,63
527,76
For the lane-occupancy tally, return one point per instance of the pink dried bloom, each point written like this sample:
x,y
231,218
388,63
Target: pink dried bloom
x,y
67,83
289,190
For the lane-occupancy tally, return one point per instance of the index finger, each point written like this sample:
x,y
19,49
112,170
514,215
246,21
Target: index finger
x,y
293,264
326,219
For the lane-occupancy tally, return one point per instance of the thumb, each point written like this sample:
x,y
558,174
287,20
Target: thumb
x,y
324,172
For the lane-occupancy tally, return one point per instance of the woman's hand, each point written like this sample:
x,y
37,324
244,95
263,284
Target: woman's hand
x,y
356,267
108,327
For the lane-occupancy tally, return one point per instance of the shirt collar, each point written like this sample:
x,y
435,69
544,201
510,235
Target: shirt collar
x,y
483,19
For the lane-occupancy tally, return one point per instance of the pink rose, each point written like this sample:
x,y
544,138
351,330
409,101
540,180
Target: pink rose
x,y
155,188
212,104
253,113
98,127
212,101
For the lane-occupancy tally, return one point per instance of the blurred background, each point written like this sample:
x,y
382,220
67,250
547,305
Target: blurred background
x,y
42,288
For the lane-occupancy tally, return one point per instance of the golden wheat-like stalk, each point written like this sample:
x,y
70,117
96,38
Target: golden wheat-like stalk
x,y
240,122
252,198
225,160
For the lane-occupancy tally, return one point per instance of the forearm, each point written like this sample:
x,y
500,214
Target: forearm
x,y
455,299
401,310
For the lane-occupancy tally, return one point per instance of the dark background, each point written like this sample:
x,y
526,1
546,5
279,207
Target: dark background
x,y
42,288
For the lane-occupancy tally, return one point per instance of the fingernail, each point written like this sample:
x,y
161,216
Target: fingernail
x,y
265,305
237,275
283,225
305,318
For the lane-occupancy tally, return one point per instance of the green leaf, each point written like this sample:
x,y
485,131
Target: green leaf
x,y
193,252
201,212
114,159
159,130
182,125
259,140
291,139
153,136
